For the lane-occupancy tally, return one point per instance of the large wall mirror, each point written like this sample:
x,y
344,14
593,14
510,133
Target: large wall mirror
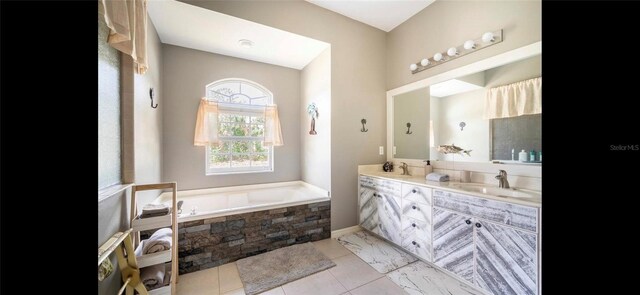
x,y
427,117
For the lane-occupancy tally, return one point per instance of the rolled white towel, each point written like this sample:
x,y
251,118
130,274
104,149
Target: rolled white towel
x,y
159,241
151,210
437,177
153,276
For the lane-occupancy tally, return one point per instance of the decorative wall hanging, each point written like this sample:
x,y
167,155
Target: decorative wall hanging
x,y
312,110
363,121
151,94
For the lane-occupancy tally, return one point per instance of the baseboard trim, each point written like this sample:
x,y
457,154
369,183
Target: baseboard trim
x,y
343,231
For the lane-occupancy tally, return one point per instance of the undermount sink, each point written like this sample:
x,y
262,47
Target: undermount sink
x,y
500,192
395,175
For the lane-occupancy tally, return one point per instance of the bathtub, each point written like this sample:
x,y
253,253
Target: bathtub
x,y
215,202
232,223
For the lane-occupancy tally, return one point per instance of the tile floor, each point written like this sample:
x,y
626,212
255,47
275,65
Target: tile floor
x,y
350,276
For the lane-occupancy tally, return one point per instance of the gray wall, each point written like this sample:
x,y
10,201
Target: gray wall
x,y
316,149
412,107
357,87
113,213
444,24
186,73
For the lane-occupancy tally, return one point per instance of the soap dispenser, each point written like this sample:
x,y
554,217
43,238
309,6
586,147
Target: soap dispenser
x,y
522,156
427,168
532,156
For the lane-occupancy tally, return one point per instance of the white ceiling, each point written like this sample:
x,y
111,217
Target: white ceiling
x,y
190,26
382,14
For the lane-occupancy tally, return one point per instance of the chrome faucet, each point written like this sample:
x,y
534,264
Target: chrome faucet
x,y
405,168
502,179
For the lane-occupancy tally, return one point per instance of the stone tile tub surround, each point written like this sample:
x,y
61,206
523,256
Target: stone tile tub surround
x,y
211,242
234,222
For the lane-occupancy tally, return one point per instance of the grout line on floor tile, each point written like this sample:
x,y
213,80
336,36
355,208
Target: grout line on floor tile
x,y
328,270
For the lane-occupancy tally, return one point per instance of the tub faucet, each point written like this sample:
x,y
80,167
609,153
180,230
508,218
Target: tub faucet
x,y
180,207
502,179
405,168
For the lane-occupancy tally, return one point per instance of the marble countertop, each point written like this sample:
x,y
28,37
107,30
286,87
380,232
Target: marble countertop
x,y
454,186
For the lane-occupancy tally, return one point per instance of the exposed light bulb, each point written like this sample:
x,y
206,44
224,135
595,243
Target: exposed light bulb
x,y
424,62
452,51
437,56
413,67
469,44
487,37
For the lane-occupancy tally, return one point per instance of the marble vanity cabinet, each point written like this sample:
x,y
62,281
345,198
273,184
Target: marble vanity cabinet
x,y
490,243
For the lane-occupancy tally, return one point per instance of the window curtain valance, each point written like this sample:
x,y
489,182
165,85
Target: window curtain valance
x,y
207,125
127,21
516,99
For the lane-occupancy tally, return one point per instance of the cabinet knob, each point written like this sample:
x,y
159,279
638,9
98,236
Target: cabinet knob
x,y
413,207
413,242
414,191
467,221
413,224
478,225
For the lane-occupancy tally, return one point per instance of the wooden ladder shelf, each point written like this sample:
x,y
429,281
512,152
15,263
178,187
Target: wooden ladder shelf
x,y
124,243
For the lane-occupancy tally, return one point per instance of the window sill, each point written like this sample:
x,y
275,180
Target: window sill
x,y
109,191
236,172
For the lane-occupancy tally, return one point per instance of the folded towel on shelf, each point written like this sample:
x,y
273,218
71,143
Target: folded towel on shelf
x,y
151,210
159,241
153,276
437,177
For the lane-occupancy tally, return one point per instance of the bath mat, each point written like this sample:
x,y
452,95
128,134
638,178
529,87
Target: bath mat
x,y
275,268
421,278
379,254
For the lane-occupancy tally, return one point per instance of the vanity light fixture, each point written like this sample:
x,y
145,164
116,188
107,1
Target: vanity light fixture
x,y
487,39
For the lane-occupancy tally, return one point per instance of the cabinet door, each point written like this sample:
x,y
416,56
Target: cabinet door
x,y
506,260
389,221
453,242
368,211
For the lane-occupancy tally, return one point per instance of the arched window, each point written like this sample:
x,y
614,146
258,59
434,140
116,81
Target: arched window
x,y
241,127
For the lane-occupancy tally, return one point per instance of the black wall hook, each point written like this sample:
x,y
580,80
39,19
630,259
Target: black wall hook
x,y
151,96
409,128
363,121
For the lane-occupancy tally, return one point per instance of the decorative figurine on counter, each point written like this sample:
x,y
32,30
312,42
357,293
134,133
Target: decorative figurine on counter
x,y
387,167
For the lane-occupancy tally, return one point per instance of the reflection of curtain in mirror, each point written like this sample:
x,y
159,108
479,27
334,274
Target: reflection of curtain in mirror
x,y
515,99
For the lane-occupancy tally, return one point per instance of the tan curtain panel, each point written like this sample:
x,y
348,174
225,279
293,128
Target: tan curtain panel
x,y
272,132
207,125
127,21
516,99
